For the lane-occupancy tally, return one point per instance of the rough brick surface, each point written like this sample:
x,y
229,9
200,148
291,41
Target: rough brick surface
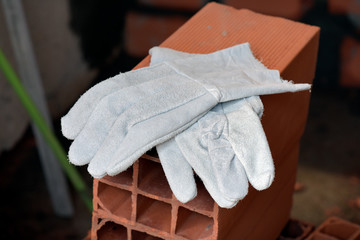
x,y
292,9
350,62
335,228
138,203
342,7
140,200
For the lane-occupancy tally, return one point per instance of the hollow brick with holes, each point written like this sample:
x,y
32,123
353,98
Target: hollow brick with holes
x,y
138,203
336,228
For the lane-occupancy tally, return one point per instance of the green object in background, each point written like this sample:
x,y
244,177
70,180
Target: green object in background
x,y
51,139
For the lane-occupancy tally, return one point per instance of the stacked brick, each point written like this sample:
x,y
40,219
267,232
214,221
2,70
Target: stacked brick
x,y
150,22
141,206
334,229
138,204
150,27
296,230
350,45
291,9
339,7
350,62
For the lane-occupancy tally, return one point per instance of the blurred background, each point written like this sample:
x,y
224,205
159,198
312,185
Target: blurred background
x,y
78,43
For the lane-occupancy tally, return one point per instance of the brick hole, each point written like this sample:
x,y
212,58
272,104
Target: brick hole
x,y
153,213
320,236
117,201
152,179
153,153
124,178
135,235
340,230
292,229
193,225
203,201
111,231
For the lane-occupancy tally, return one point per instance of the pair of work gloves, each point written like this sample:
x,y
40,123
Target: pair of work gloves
x,y
201,111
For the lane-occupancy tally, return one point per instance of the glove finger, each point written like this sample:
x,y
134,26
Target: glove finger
x,y
177,170
158,125
103,118
229,172
85,145
249,142
197,156
74,121
97,169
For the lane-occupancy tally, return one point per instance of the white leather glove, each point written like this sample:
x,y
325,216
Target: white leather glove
x,y
115,122
225,147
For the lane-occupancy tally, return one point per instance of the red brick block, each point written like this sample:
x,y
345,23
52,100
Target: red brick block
x,y
344,7
350,62
139,204
335,228
188,5
143,32
296,230
338,7
291,9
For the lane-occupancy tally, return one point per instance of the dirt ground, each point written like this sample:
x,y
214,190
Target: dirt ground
x,y
25,205
329,163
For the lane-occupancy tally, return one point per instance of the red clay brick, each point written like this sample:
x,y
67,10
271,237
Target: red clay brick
x,y
111,231
296,230
291,9
343,7
336,228
189,5
280,44
350,62
143,32
188,220
338,7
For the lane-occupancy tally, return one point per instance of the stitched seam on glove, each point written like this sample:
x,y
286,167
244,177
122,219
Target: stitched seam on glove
x,y
210,88
140,120
135,155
